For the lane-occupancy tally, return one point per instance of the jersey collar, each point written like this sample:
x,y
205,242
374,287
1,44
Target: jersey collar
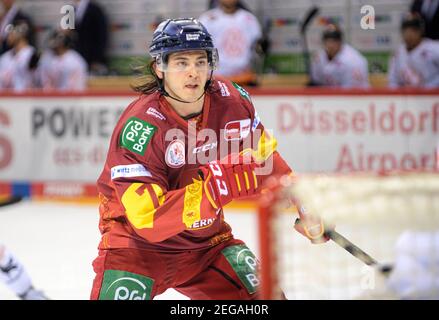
x,y
166,106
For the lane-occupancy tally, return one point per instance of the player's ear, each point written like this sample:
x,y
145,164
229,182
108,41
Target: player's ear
x,y
157,71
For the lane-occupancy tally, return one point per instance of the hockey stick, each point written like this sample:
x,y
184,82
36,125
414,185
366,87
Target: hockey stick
x,y
354,250
303,29
10,200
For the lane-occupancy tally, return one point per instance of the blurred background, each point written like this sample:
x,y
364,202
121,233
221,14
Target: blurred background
x,y
125,27
346,86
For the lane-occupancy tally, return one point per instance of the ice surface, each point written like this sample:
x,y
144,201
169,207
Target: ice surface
x,y
58,242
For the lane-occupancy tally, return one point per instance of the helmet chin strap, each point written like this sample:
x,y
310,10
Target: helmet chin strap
x,y
166,94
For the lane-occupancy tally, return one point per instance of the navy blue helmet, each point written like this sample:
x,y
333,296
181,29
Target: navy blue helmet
x,y
174,35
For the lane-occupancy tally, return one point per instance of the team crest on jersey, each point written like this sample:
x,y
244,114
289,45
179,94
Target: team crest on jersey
x,y
237,130
175,155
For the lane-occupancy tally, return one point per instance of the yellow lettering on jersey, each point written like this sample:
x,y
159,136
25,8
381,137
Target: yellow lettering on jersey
x,y
140,209
192,202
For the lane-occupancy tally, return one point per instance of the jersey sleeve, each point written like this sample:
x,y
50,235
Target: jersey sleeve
x,y
356,75
434,82
262,144
256,30
316,69
139,180
393,72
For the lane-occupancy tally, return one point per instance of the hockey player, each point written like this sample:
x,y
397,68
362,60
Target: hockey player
x,y
16,72
338,64
165,181
415,272
62,68
416,62
236,33
13,275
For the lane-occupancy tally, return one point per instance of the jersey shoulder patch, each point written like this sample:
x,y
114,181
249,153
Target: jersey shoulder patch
x,y
136,135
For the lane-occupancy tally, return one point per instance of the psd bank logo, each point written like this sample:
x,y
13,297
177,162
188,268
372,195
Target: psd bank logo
x,y
123,285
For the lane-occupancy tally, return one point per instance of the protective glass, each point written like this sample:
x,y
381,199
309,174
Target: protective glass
x,y
185,65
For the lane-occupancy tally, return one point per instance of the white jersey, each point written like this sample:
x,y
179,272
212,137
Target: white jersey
x,y
348,69
418,68
234,36
415,273
15,276
14,70
67,72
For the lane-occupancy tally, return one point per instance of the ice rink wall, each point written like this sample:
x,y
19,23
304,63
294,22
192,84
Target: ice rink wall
x,y
55,145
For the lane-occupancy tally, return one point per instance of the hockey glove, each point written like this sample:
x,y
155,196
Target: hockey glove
x,y
224,182
311,227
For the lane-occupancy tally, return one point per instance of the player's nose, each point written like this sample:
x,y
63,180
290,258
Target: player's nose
x,y
192,70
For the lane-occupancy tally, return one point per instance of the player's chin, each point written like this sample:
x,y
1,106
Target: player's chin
x,y
192,94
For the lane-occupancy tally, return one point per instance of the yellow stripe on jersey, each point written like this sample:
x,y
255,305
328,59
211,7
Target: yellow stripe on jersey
x,y
192,203
247,183
159,193
237,182
140,209
255,179
266,146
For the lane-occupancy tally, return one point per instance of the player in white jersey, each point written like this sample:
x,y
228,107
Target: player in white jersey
x,y
416,62
235,33
338,64
15,64
415,272
14,276
62,68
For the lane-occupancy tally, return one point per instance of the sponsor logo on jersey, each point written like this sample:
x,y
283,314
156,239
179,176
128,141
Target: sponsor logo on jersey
x,y
201,224
245,264
175,155
205,147
153,112
136,135
224,90
127,171
192,36
123,285
256,121
237,130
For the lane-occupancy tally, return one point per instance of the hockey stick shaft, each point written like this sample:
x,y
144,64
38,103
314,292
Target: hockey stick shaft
x,y
355,250
303,29
348,246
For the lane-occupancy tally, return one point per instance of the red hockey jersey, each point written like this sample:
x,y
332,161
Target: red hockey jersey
x,y
151,194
